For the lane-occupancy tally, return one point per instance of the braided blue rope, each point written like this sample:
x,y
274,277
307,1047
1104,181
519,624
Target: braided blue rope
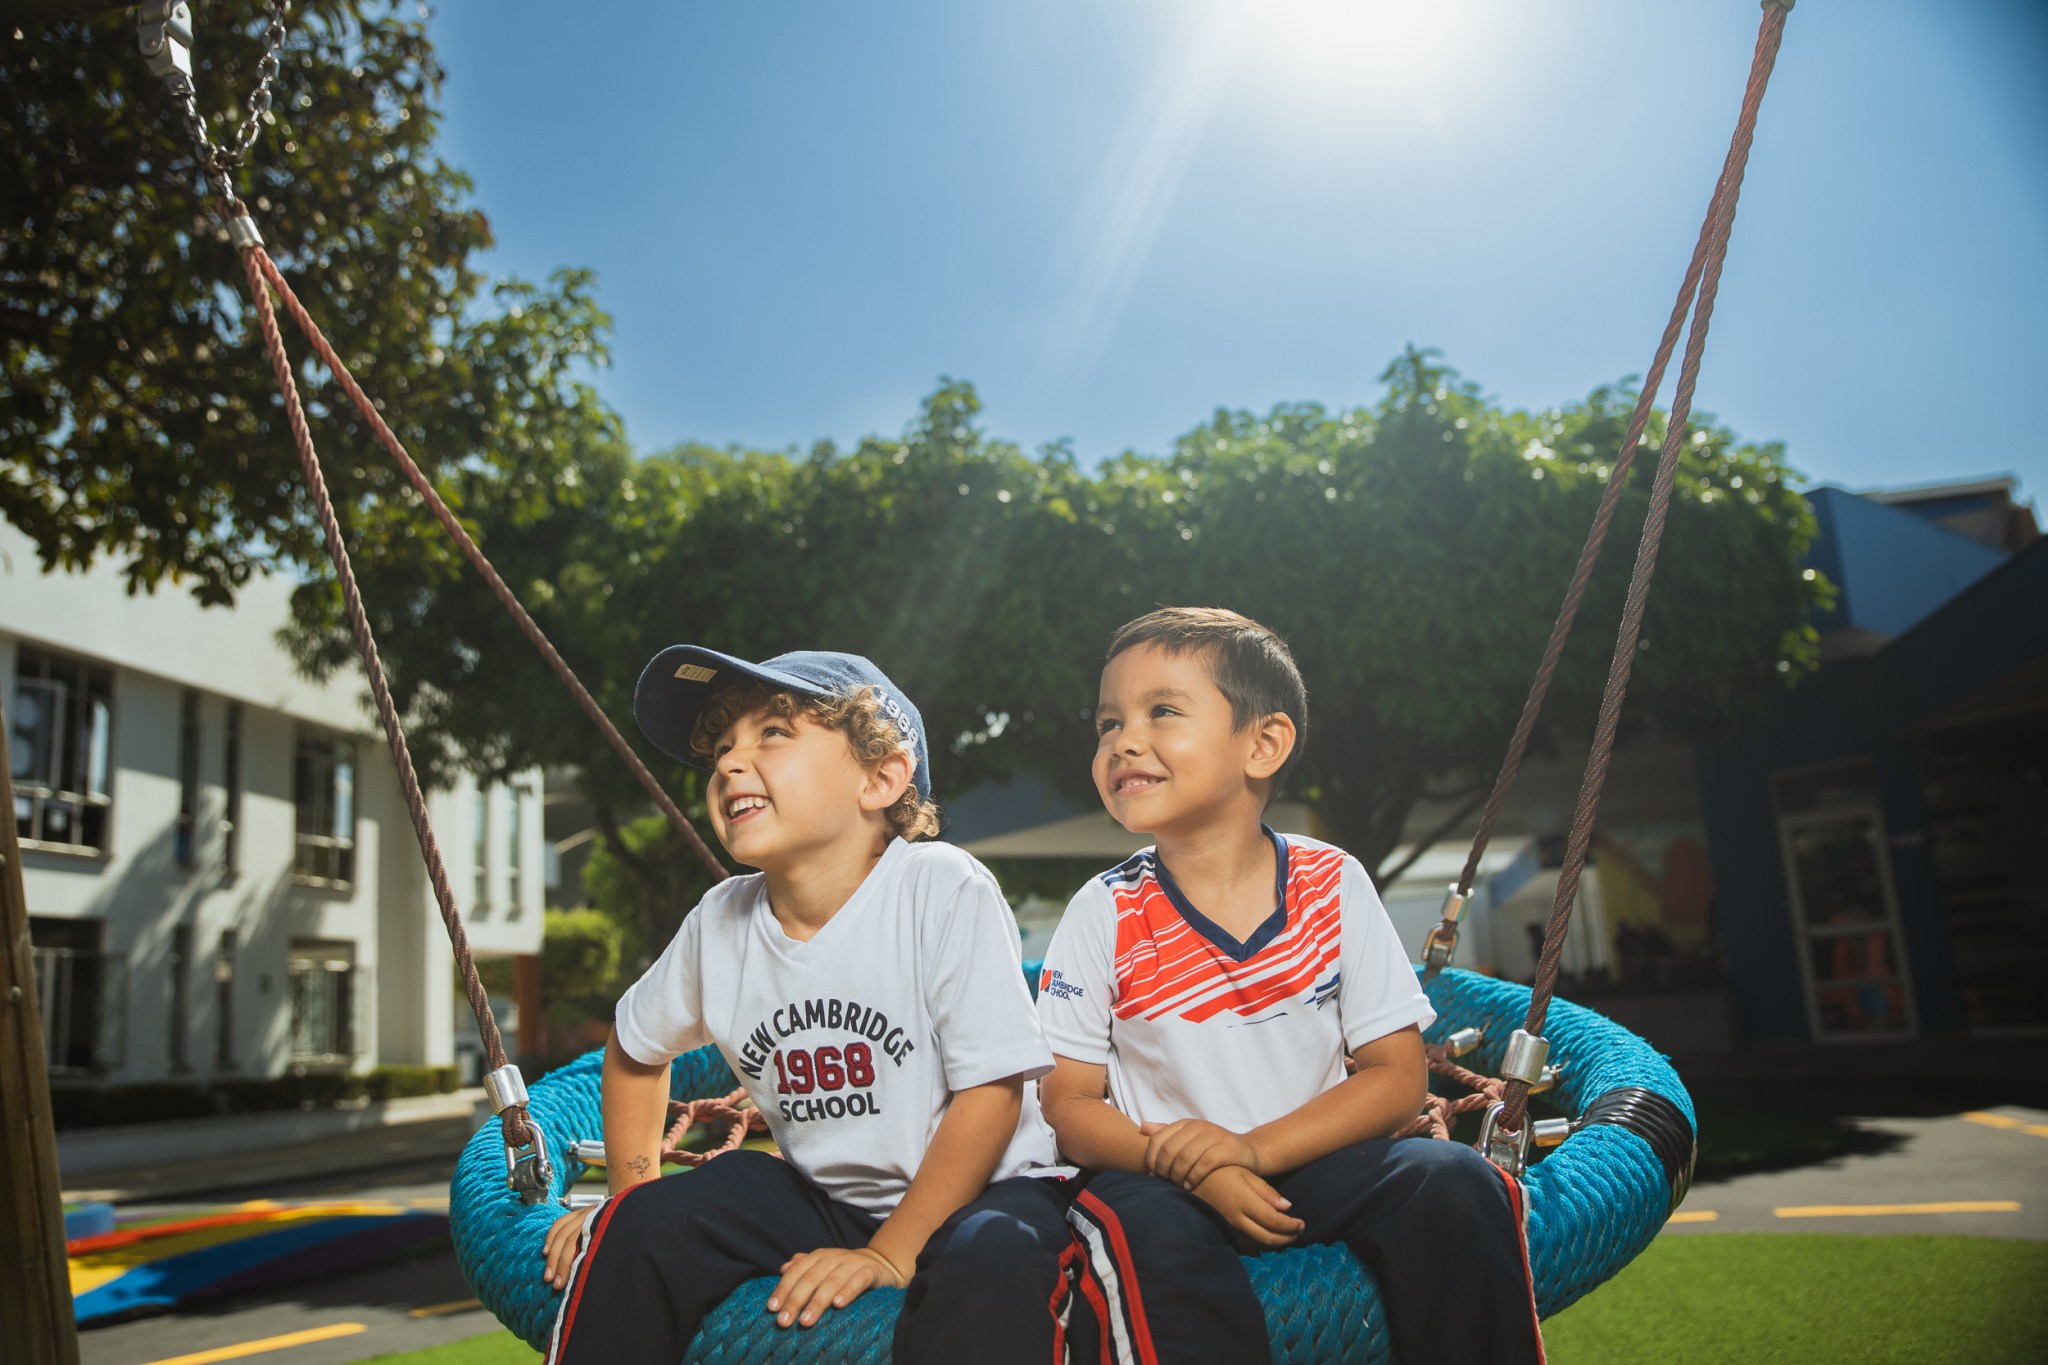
x,y
1594,1204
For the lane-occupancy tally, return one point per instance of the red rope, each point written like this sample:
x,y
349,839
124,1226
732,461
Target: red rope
x,y
425,488
738,1119
517,1130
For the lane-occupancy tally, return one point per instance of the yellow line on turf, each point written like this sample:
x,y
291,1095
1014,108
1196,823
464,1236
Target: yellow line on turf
x,y
257,1348
1695,1216
1993,1120
2036,1129
442,1310
1879,1210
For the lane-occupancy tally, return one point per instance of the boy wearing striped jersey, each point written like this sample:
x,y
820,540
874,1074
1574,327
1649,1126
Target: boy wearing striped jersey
x,y
1202,999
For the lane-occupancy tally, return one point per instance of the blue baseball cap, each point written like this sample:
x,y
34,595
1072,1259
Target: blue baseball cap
x,y
678,683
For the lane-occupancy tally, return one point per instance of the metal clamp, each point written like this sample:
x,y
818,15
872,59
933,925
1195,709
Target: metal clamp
x,y
1525,1056
163,30
1440,947
589,1151
506,1087
1552,1074
1509,1151
527,1169
242,231
1442,944
1463,1041
1551,1132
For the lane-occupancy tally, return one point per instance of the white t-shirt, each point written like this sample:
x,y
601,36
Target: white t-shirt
x,y
1193,1024
853,1042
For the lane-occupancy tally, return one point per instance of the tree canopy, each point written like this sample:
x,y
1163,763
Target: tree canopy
x,y
137,413
1413,553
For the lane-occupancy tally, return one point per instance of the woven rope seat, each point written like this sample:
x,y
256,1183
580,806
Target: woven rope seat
x,y
1594,1202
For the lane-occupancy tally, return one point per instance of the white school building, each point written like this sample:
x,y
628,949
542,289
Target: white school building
x,y
221,877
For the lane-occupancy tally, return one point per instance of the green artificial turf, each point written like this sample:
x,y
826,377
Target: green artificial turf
x,y
498,1348
1746,1299
1814,1299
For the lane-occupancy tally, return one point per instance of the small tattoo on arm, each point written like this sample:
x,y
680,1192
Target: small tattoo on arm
x,y
638,1166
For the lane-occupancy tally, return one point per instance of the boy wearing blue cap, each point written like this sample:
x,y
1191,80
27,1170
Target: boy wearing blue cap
x,y
866,991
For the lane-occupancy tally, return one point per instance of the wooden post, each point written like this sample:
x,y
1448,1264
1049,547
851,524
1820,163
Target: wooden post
x,y
36,1322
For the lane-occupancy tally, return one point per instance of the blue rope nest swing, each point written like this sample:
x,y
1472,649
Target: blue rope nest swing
x,y
1594,1202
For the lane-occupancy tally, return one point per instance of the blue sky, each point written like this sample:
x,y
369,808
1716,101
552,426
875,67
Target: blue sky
x,y
1115,215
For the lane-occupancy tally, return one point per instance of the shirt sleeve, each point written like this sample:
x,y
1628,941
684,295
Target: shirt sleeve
x,y
661,1016
974,981
1075,986
1379,993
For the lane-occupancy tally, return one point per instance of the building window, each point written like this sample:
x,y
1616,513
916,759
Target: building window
x,y
324,784
179,963
325,997
231,779
1845,909
60,739
480,852
224,1002
82,993
188,780
516,801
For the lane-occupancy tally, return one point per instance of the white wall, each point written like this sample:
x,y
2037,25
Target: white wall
x,y
158,647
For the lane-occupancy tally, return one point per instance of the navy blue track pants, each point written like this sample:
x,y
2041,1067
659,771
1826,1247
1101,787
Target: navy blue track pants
x,y
1155,1278
659,1258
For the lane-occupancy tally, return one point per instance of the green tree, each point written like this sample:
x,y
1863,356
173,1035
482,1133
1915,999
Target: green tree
x,y
581,952
1415,553
960,564
137,413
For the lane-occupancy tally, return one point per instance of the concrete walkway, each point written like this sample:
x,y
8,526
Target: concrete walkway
x,y
1983,1173
158,1162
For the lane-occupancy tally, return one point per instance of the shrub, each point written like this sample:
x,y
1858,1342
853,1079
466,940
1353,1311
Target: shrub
x,y
403,1082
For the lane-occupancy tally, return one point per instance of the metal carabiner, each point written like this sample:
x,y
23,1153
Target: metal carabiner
x,y
527,1169
1509,1151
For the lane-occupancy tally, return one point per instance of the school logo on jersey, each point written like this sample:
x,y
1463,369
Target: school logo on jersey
x,y
1056,985
826,1053
1165,967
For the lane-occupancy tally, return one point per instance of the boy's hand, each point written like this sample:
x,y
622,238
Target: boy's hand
x,y
1187,1150
563,1239
1254,1209
832,1277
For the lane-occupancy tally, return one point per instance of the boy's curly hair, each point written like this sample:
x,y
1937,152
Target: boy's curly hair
x,y
858,715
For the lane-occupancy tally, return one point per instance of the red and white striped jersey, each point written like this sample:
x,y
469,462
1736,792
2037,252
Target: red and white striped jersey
x,y
1192,1023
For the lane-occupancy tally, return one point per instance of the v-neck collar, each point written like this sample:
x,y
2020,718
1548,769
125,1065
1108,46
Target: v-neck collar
x,y
1268,930
779,939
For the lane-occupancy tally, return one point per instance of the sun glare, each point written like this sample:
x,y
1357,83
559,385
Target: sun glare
x,y
1360,48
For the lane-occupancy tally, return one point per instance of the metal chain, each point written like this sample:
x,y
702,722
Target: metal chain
x,y
164,32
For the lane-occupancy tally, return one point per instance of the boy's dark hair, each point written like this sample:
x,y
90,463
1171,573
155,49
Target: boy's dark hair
x,y
1250,665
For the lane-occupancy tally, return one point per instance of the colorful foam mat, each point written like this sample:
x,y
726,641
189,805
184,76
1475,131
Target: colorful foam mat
x,y
154,1267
